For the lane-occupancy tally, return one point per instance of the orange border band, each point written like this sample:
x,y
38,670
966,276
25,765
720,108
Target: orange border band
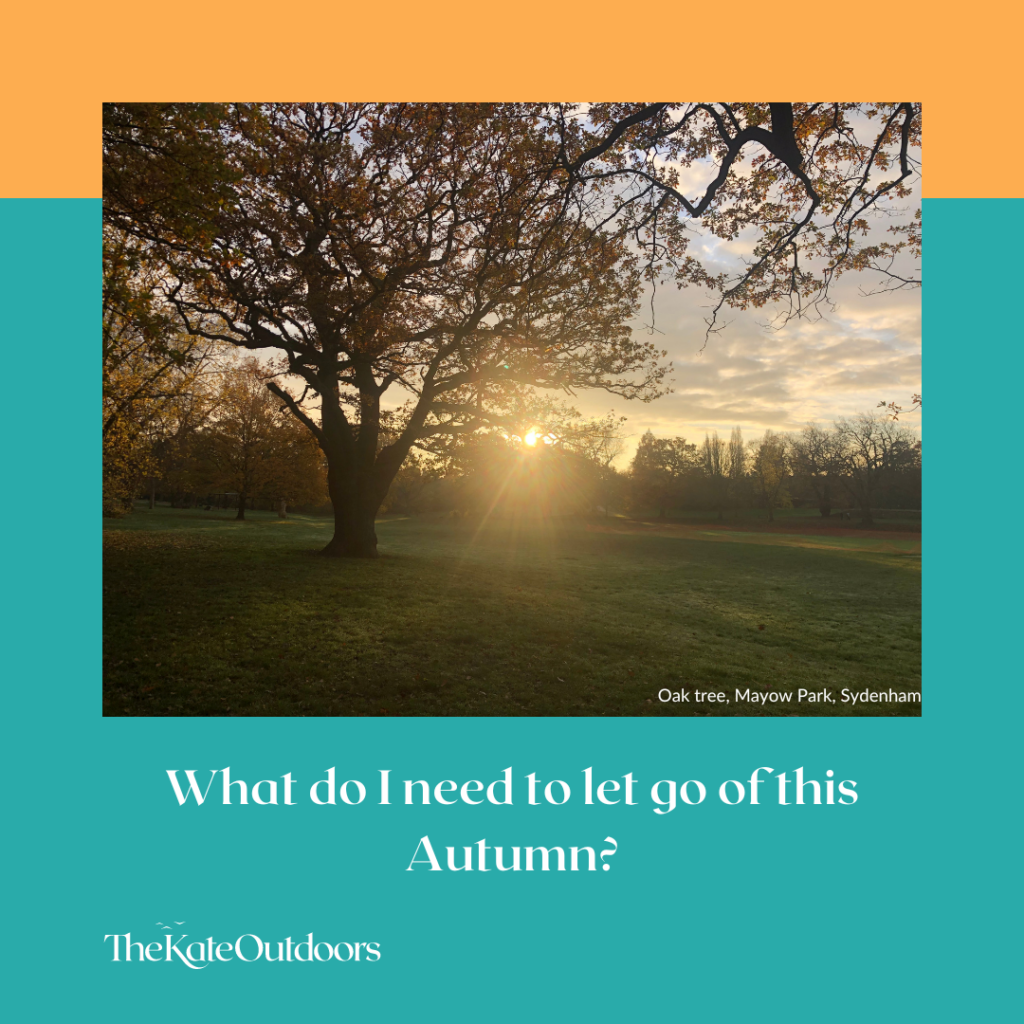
x,y
63,60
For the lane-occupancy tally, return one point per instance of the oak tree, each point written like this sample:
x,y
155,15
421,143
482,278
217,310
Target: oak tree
x,y
659,471
440,251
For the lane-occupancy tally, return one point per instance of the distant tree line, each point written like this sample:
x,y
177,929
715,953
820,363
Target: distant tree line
x,y
861,463
857,465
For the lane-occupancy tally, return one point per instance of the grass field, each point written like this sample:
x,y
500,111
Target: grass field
x,y
207,616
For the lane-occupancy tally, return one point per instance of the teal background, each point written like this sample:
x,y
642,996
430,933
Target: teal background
x,y
898,908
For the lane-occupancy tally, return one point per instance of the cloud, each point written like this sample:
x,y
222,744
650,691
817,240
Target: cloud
x,y
866,350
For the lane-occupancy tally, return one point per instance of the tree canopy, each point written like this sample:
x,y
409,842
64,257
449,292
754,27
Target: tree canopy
x,y
150,366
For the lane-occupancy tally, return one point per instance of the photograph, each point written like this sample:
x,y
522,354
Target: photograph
x,y
512,409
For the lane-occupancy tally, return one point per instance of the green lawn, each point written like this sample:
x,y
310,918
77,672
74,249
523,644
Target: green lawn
x,y
206,616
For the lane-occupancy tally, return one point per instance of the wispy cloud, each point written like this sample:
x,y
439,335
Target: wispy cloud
x,y
868,349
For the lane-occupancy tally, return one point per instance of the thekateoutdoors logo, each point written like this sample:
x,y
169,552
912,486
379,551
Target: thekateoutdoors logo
x,y
248,949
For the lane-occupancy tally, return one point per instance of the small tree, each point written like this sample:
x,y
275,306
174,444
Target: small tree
x,y
298,478
819,457
874,450
739,486
659,471
770,465
253,446
716,464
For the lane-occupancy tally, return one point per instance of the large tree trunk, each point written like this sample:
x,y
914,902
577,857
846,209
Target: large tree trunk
x,y
355,509
282,509
354,532
241,507
358,474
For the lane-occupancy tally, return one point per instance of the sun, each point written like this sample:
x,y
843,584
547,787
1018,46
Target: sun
x,y
531,438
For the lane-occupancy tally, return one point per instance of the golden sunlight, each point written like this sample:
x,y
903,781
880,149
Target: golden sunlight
x,y
531,437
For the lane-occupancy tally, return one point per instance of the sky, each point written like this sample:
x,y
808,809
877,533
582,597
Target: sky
x,y
866,351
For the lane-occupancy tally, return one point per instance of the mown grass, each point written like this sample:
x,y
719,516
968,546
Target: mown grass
x,y
207,616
